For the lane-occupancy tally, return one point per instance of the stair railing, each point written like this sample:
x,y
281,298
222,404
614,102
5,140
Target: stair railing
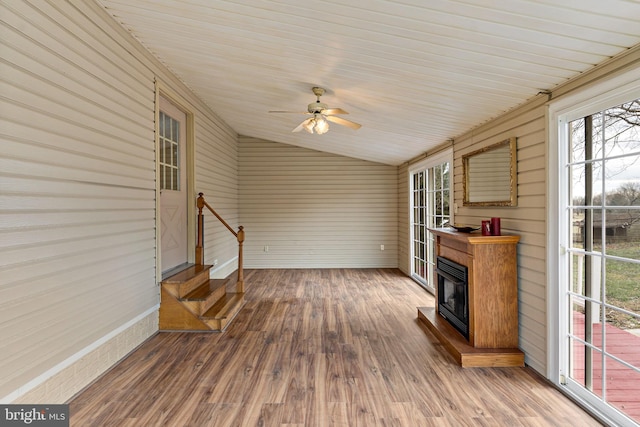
x,y
201,203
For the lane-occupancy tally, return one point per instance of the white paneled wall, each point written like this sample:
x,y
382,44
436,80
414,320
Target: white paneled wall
x,y
77,194
307,209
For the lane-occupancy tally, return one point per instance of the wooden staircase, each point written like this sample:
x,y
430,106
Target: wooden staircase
x,y
191,301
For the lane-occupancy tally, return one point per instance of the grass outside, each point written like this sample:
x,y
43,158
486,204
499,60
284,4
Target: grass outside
x,y
623,285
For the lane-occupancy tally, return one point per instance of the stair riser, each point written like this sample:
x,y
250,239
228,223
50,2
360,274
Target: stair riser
x,y
214,325
230,308
200,307
211,299
221,323
188,286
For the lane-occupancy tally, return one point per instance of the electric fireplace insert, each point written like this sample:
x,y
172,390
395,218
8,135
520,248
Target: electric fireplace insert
x,y
453,294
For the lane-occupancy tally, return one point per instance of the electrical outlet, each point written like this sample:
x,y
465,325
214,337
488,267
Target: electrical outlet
x,y
382,247
266,248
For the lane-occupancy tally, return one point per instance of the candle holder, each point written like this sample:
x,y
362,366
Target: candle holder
x,y
486,228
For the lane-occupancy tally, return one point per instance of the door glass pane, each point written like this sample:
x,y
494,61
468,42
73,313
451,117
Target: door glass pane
x,y
576,137
622,295
590,379
169,156
621,383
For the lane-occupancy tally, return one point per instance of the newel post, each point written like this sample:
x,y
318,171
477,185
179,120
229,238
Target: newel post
x,y
240,284
200,231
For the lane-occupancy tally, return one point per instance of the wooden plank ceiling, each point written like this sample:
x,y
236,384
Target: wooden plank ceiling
x,y
414,73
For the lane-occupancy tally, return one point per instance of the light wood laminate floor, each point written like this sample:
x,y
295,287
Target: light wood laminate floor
x,y
321,347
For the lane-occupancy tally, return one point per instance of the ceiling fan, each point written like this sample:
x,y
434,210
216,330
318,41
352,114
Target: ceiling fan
x,y
321,115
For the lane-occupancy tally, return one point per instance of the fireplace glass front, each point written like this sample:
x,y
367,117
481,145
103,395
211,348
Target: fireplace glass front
x,y
453,294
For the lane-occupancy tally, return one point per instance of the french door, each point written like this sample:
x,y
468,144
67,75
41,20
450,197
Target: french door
x,y
430,207
599,258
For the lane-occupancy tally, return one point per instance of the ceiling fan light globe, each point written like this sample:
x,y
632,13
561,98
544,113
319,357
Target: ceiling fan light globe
x,y
308,126
322,126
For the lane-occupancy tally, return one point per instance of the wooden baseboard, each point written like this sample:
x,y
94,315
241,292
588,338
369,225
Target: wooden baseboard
x,y
466,355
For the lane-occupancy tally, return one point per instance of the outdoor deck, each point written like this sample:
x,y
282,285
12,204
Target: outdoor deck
x,y
622,382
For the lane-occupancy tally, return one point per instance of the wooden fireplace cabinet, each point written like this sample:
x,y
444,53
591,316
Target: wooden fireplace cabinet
x,y
492,297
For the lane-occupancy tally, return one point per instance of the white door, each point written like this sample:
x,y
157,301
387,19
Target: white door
x,y
173,185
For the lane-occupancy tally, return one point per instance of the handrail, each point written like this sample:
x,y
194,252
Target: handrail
x,y
201,203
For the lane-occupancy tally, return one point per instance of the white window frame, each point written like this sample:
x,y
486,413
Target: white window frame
x,y
429,162
592,99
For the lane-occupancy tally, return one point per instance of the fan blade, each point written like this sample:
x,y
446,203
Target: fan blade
x,y
332,111
291,112
302,126
343,122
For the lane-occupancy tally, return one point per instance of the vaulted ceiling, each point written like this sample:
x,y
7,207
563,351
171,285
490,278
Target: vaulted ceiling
x,y
414,73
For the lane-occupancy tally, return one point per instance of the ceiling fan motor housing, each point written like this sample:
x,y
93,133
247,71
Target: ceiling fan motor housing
x,y
316,107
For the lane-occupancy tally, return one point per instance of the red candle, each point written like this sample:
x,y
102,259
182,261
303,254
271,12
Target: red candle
x,y
495,226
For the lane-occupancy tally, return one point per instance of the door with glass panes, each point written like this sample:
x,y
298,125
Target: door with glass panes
x,y
173,185
600,263
430,208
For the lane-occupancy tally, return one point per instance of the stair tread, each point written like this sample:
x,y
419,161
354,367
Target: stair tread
x,y
203,291
223,307
187,274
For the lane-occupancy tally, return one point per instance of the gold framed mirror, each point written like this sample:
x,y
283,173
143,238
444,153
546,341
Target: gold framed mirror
x,y
491,176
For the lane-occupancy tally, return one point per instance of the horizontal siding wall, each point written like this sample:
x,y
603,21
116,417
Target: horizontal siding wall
x,y
315,210
404,224
77,187
527,220
77,195
217,177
